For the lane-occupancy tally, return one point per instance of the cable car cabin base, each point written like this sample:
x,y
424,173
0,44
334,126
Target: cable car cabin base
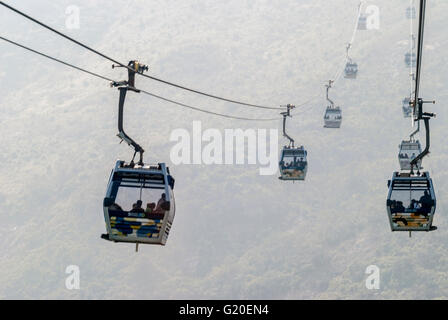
x,y
139,184
411,202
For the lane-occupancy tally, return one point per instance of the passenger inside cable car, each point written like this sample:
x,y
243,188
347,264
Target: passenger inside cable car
x,y
126,198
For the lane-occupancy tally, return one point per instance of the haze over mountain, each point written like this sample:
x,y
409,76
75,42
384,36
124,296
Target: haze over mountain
x,y
236,234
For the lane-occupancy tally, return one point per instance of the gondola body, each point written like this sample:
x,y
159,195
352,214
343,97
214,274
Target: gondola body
x,y
411,202
362,22
410,59
411,13
351,70
144,228
293,164
333,117
409,150
407,109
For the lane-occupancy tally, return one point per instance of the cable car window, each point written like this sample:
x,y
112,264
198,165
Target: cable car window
x,y
140,202
411,203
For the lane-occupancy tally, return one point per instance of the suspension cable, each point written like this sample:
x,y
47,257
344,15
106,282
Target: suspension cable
x,y
421,29
55,59
143,91
129,68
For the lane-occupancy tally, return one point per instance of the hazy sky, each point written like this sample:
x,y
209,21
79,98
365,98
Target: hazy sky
x,y
237,234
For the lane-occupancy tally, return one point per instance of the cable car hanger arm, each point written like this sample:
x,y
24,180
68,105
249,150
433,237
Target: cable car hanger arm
x,y
329,85
124,86
285,115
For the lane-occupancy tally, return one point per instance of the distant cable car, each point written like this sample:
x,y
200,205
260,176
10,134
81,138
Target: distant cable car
x,y
139,203
362,22
407,109
351,68
333,115
293,163
410,59
410,13
409,150
411,202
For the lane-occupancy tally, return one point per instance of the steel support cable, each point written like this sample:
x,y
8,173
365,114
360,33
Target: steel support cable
x,y
55,59
129,68
421,29
143,91
350,44
412,47
340,70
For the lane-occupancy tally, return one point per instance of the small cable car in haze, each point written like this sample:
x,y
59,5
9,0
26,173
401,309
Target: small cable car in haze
x,y
411,13
410,59
362,22
333,115
351,70
406,107
409,150
293,164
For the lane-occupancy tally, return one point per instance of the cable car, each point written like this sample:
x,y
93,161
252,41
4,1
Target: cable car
x,y
142,184
410,13
293,163
362,22
411,202
410,59
333,115
407,109
351,70
139,203
409,150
